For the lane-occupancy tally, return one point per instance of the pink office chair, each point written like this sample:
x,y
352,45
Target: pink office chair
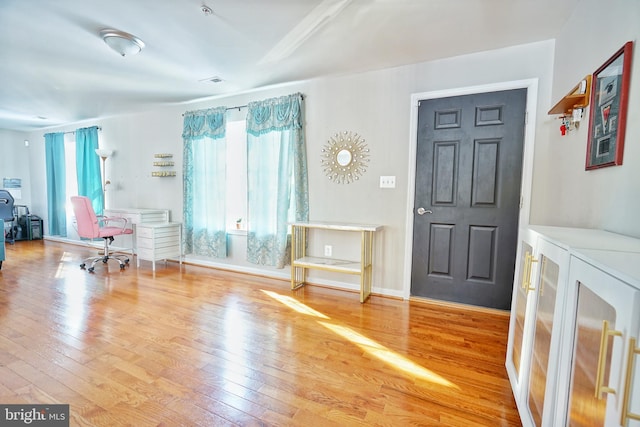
x,y
89,228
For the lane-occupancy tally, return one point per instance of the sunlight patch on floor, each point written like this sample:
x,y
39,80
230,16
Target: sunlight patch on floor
x,y
75,314
368,345
234,326
295,304
388,356
66,258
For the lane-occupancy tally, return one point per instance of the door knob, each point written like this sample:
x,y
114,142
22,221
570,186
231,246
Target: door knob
x,y
422,211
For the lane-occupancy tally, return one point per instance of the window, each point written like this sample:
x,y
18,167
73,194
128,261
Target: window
x,y
236,198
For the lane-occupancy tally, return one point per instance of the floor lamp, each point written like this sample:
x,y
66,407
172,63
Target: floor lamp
x,y
104,154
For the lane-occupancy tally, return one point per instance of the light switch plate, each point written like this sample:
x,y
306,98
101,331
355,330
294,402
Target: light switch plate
x,y
387,182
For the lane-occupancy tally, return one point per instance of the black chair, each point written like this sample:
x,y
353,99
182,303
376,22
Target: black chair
x,y
7,213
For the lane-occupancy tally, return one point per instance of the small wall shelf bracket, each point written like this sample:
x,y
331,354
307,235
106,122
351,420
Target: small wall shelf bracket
x,y
571,106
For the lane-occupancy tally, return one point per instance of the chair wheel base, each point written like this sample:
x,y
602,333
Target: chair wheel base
x,y
83,265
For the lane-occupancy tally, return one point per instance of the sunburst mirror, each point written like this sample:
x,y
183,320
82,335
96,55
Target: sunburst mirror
x,y
345,157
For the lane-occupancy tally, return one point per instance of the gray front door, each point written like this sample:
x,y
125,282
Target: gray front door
x,y
467,197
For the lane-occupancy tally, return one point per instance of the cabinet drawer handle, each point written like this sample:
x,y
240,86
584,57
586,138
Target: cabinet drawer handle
x,y
604,343
626,413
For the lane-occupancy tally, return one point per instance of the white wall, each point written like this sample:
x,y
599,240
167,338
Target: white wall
x,y
374,104
564,193
14,163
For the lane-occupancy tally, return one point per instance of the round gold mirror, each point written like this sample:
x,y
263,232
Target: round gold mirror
x,y
345,157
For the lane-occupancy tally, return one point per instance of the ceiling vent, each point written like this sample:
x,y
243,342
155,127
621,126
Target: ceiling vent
x,y
214,79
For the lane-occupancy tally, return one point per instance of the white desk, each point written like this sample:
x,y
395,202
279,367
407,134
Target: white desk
x,y
139,216
154,237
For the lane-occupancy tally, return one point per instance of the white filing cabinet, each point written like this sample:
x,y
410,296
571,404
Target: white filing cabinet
x,y
158,241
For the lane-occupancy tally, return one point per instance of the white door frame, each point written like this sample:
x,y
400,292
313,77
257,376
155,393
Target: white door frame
x,y
527,162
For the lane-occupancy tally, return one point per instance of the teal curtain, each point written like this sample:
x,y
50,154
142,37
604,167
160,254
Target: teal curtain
x,y
204,205
88,167
56,183
277,181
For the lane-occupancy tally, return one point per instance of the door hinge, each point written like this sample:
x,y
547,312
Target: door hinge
x,y
526,118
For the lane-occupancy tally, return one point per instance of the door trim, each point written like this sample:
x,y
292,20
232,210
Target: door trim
x,y
527,162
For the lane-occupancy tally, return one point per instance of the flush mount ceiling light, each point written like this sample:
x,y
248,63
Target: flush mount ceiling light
x,y
123,43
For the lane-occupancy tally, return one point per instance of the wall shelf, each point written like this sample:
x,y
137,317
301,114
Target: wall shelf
x,y
578,97
163,163
163,174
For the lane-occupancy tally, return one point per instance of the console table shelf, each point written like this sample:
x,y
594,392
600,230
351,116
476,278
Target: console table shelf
x,y
300,262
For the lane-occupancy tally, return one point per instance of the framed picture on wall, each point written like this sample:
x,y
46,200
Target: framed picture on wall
x,y
608,114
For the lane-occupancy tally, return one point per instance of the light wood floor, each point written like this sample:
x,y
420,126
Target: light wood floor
x,y
193,346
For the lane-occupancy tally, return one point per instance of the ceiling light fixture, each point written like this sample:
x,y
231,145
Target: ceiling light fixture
x,y
123,43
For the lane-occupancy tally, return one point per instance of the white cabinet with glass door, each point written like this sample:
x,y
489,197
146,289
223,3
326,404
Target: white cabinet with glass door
x,y
546,313
521,310
535,327
599,382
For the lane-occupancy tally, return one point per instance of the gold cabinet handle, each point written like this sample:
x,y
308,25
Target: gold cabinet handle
x,y
626,413
604,343
529,285
525,270
541,279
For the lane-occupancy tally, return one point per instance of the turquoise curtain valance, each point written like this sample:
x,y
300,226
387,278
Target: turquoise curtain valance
x,y
208,123
275,114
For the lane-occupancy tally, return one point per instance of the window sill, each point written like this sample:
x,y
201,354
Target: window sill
x,y
237,232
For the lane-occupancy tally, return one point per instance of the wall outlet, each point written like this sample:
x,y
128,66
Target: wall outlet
x,y
328,250
387,182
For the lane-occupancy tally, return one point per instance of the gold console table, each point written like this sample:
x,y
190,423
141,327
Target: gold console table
x,y
300,262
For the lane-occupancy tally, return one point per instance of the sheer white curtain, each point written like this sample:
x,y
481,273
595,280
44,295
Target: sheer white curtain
x,y
277,181
205,182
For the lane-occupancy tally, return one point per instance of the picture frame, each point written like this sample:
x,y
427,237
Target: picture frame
x,y
608,113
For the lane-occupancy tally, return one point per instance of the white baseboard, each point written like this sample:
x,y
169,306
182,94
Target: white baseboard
x,y
284,274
